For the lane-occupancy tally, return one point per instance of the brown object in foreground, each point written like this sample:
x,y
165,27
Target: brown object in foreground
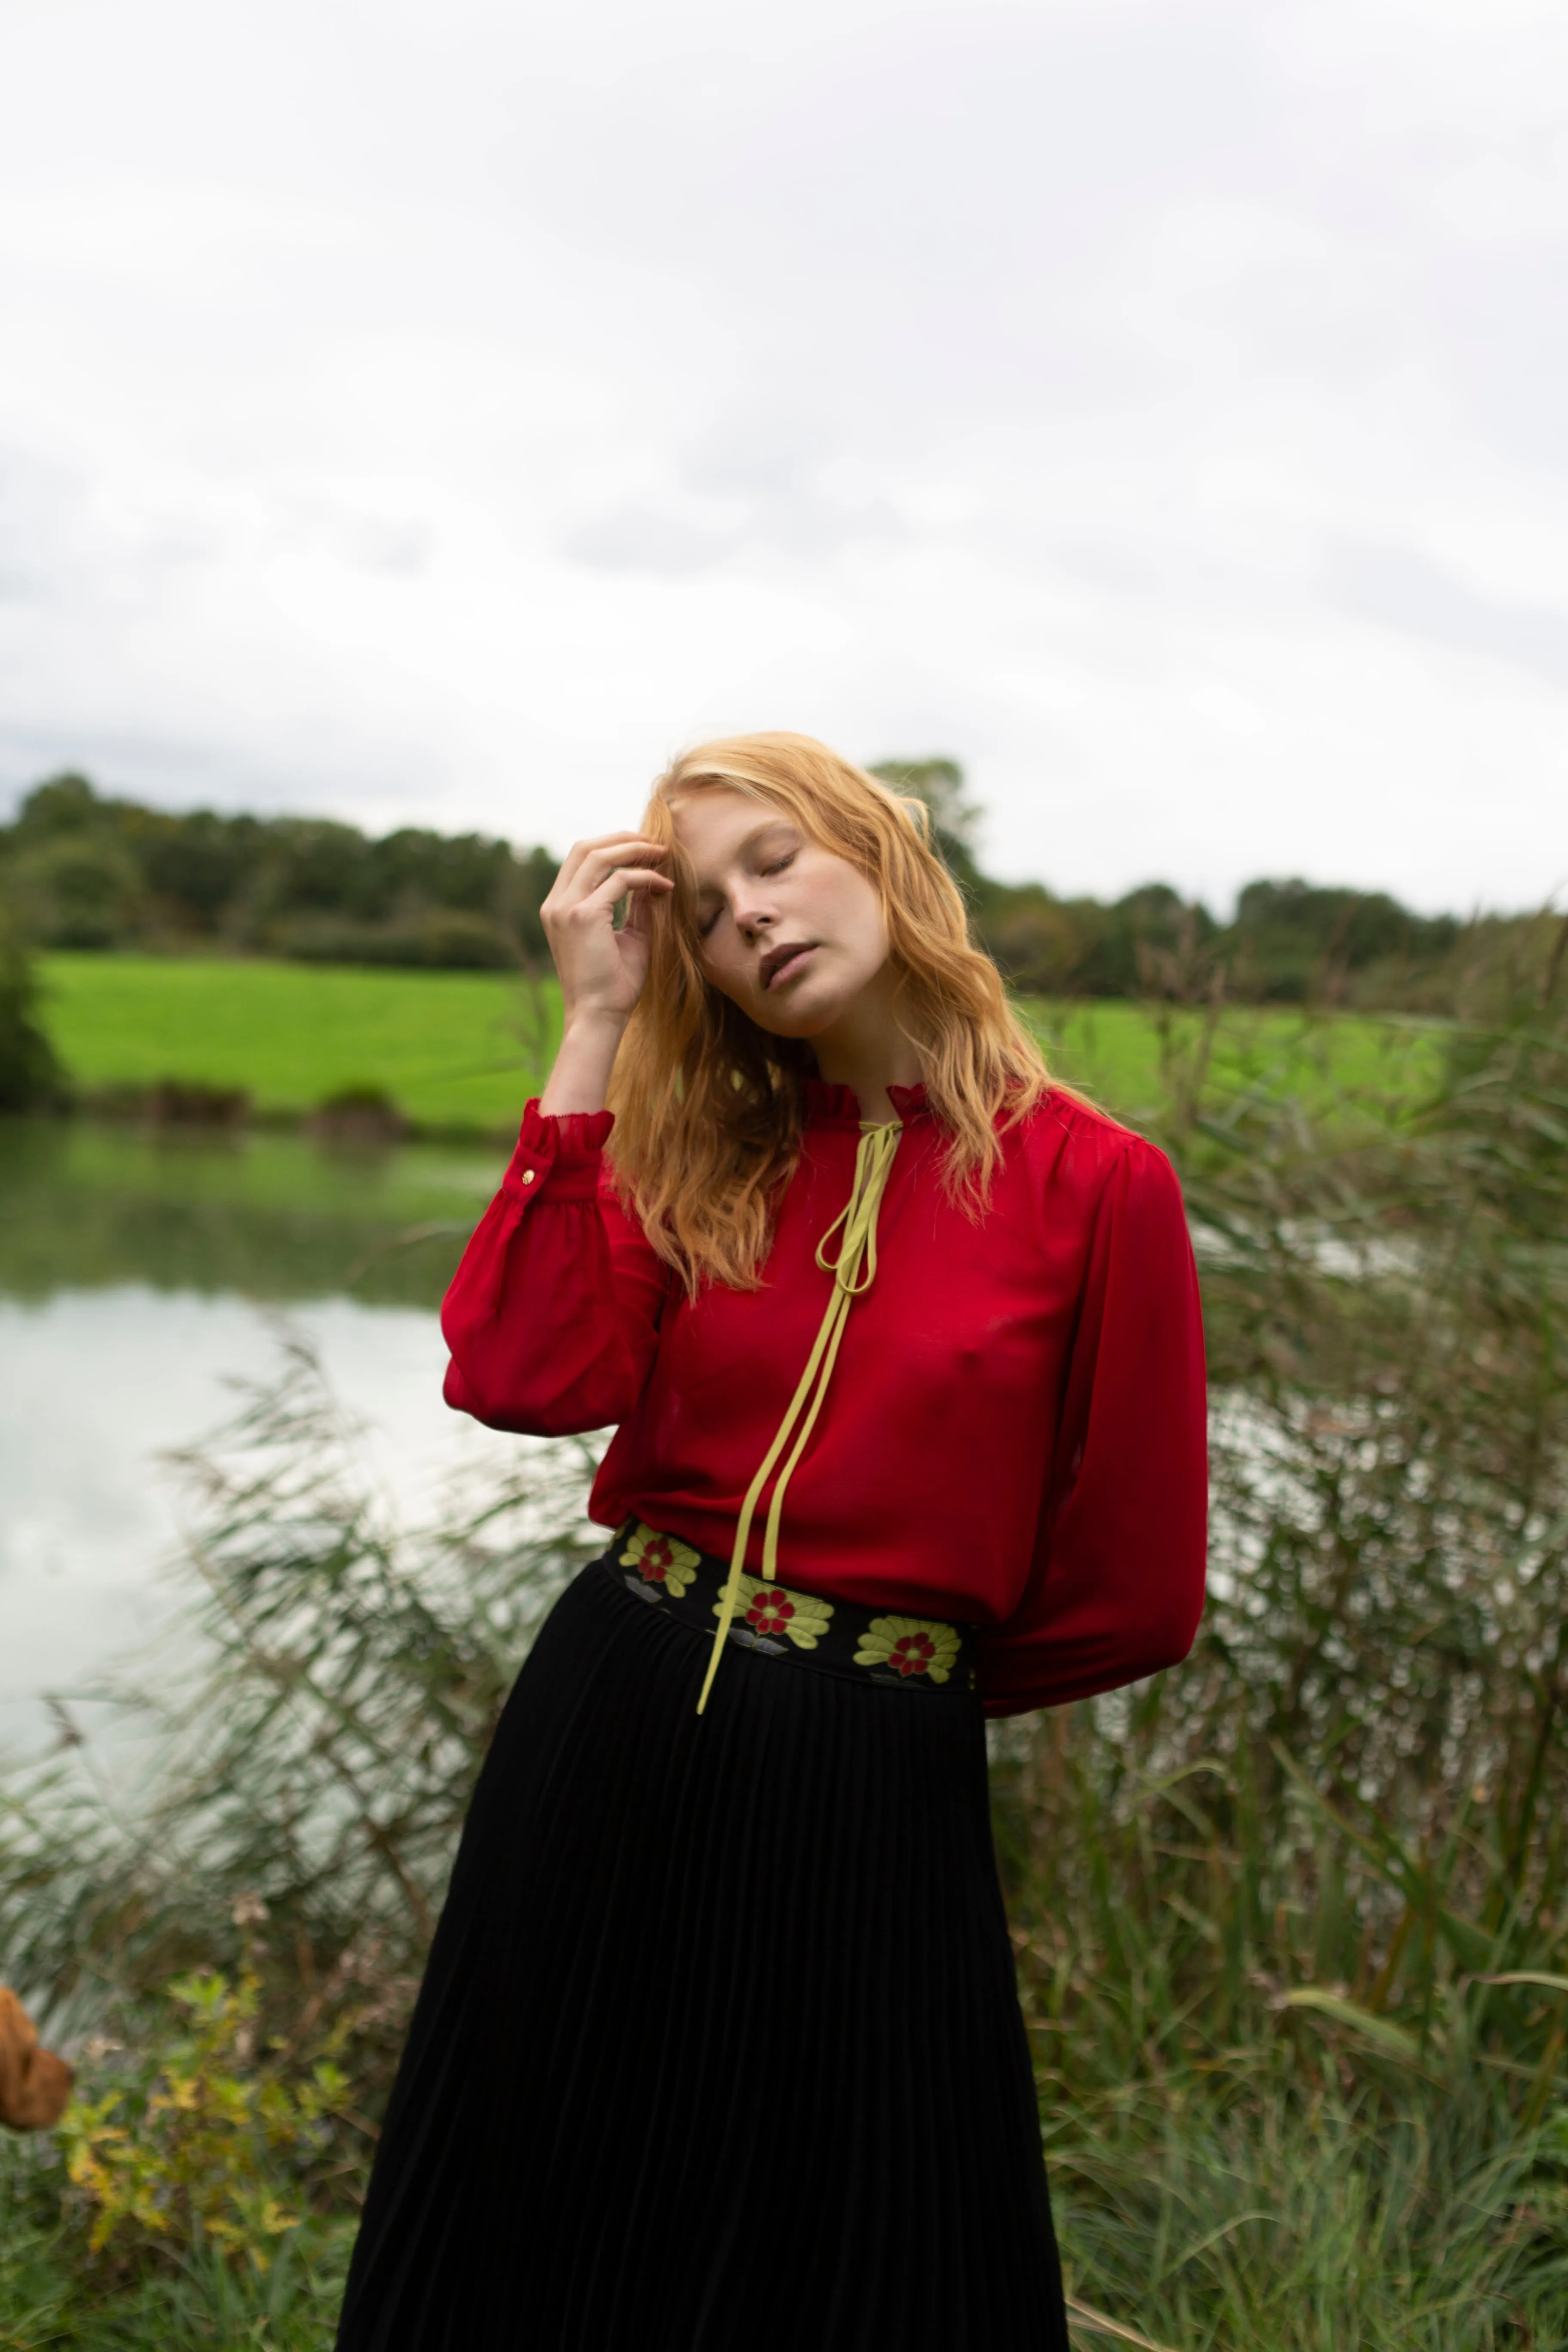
x,y
34,2084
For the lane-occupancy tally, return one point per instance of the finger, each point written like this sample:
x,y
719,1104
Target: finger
x,y
600,866
621,880
600,863
637,912
582,853
608,872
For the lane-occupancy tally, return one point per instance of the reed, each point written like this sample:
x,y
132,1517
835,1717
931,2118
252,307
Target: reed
x,y
1291,1922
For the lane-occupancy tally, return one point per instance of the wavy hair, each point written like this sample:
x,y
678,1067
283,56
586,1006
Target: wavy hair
x,y
707,1104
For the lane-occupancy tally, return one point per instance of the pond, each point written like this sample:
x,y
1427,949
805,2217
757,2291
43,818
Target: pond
x,y
141,1274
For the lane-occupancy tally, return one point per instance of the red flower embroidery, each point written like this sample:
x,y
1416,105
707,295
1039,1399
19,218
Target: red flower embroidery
x,y
768,1609
660,1560
770,1613
909,1647
912,1655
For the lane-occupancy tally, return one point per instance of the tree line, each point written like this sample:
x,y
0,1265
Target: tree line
x,y
1288,942
81,869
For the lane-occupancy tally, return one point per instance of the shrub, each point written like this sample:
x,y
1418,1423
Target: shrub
x,y
80,891
445,938
208,2143
358,1116
30,1076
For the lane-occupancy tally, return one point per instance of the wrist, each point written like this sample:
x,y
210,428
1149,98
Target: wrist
x,y
581,1078
589,1024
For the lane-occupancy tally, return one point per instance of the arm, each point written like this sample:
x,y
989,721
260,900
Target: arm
x,y
553,1317
1117,1586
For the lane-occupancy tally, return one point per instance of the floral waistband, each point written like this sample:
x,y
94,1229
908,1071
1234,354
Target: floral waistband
x,y
774,1621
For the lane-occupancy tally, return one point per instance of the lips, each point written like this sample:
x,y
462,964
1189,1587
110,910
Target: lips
x,y
782,960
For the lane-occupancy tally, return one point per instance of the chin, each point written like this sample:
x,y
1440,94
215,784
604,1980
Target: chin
x,y
805,1019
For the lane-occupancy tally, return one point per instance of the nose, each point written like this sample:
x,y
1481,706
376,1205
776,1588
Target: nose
x,y
752,918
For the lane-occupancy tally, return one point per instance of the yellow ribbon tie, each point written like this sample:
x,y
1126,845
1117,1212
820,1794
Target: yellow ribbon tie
x,y
854,1269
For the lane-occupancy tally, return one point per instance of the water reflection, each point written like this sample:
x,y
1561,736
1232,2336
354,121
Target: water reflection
x,y
137,1275
266,1216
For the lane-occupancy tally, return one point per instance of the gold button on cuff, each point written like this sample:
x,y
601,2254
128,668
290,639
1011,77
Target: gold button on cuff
x,y
527,1175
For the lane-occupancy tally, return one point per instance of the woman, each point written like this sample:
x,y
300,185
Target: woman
x,y
719,2046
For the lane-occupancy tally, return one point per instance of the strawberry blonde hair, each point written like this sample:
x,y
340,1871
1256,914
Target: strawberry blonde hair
x,y
708,1105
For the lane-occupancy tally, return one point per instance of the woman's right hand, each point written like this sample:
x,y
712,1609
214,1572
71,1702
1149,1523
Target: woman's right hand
x,y
602,969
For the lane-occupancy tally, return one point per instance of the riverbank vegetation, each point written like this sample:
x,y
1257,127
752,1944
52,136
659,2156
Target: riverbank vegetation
x,y
30,1075
1291,1920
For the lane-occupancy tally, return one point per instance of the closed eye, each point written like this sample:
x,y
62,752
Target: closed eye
x,y
774,866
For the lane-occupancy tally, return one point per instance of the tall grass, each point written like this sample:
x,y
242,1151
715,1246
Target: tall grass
x,y
1292,1921
313,1753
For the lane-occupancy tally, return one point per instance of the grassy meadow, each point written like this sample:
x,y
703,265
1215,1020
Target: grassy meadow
x,y
454,1050
1291,1920
460,1052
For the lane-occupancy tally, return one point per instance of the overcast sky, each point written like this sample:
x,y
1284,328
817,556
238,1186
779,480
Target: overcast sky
x,y
441,411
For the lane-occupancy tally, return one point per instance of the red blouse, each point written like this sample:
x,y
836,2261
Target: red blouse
x,y
1015,1433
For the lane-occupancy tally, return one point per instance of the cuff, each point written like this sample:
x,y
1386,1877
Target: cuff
x,y
563,1152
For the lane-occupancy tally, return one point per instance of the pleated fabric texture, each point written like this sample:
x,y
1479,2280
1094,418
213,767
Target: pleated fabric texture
x,y
718,2045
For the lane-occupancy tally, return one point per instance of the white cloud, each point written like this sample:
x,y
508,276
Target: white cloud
x,y
444,412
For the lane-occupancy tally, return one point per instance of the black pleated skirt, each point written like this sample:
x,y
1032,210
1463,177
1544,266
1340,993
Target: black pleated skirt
x,y
719,2049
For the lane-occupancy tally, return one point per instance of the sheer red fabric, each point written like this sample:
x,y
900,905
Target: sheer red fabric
x,y
1014,1435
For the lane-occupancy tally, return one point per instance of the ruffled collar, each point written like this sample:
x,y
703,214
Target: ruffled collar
x,y
825,1105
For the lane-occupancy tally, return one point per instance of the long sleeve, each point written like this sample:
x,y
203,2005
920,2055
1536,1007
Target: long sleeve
x,y
552,1318
1116,1586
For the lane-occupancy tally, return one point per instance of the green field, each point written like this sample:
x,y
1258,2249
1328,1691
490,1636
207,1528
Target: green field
x,y
463,1050
455,1050
1114,1052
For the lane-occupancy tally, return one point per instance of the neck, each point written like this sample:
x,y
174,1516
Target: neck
x,y
867,1050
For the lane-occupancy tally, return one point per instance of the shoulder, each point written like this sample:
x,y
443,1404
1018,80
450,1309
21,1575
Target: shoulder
x,y
1066,1141
1085,1181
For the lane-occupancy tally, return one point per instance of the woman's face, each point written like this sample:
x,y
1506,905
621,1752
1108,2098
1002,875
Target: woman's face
x,y
790,932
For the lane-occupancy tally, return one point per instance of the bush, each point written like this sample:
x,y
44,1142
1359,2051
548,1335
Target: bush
x,y
30,1076
443,940
209,2142
358,1115
173,1102
79,890
54,2292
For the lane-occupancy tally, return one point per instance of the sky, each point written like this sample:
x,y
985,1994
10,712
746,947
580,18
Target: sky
x,y
442,412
